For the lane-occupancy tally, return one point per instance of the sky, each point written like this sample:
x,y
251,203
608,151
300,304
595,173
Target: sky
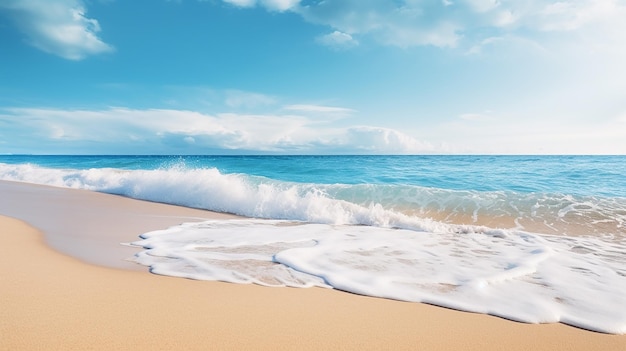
x,y
312,77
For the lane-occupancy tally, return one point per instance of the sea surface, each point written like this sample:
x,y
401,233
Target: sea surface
x,y
536,239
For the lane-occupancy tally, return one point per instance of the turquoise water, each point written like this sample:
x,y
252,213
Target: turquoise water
x,y
537,239
546,194
576,175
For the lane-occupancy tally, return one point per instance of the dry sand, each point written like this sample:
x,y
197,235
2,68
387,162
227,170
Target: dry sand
x,y
50,301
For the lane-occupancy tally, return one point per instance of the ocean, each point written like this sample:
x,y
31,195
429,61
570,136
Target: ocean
x,y
537,239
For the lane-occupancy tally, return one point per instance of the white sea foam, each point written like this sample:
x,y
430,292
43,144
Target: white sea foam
x,y
520,276
408,207
233,193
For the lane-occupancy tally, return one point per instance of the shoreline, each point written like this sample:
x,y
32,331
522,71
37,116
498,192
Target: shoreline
x,y
87,232
54,301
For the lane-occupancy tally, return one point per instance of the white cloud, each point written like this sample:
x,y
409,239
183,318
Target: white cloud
x,y
383,140
272,5
121,130
483,5
487,42
179,131
57,27
319,109
280,5
568,16
337,40
461,23
402,24
241,3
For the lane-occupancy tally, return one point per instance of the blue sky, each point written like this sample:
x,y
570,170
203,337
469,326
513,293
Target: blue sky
x,y
313,76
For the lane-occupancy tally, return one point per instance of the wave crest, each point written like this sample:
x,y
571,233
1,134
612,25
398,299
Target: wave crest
x,y
383,205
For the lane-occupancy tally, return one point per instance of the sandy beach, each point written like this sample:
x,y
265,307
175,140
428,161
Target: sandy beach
x,y
66,284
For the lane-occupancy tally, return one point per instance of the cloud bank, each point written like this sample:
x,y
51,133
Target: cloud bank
x,y
167,131
187,132
456,23
58,27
